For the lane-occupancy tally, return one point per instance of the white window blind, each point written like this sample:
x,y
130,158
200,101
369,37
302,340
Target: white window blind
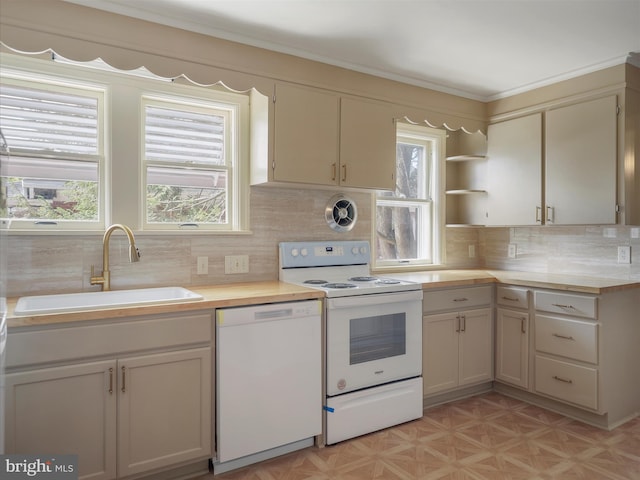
x,y
182,136
42,121
54,135
188,159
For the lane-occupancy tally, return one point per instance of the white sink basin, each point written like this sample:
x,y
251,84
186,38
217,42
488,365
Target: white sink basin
x,y
73,302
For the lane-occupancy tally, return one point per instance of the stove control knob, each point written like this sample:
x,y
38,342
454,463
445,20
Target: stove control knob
x,y
363,250
304,252
294,252
354,250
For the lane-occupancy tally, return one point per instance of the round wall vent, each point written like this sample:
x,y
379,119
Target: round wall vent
x,y
341,213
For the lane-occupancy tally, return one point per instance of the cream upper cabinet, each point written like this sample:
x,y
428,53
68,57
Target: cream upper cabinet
x,y
306,135
322,138
581,163
577,151
367,145
514,172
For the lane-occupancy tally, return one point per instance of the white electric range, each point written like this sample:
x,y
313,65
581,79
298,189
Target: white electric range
x,y
373,340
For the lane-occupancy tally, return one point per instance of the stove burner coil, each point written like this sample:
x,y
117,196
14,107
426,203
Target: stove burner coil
x,y
363,279
339,285
388,281
315,282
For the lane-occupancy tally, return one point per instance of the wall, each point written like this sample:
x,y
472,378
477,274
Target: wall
x,y
579,250
55,264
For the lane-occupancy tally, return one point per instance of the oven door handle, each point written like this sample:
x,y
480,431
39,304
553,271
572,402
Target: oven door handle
x,y
374,299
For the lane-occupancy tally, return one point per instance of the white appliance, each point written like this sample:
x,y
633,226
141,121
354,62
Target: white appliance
x,y
269,381
373,336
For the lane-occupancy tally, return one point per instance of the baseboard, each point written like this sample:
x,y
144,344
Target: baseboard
x,y
458,394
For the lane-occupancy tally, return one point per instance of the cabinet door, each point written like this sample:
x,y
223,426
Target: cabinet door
x,y
440,352
580,163
367,145
65,410
512,347
306,135
514,180
164,406
475,348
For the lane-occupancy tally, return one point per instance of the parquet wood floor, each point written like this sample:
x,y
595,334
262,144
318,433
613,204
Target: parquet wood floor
x,y
487,437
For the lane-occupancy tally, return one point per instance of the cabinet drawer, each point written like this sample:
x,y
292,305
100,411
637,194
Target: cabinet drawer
x,y
566,381
456,299
567,338
567,304
512,297
34,346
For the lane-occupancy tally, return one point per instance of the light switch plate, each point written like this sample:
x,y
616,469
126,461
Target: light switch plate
x,y
236,264
512,251
203,265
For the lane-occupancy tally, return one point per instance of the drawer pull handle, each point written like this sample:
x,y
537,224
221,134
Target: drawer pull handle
x,y
511,299
460,299
523,329
568,307
564,337
560,379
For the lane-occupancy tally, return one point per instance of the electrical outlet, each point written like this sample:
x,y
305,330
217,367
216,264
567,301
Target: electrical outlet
x,y
624,254
472,251
203,265
236,264
512,251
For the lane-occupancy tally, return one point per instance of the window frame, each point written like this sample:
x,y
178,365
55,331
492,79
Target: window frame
x,y
19,76
435,204
231,113
120,183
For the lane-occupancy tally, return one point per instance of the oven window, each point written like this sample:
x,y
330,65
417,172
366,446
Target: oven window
x,y
377,337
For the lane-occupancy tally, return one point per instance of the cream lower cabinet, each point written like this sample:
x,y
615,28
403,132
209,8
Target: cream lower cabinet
x,y
164,413
122,416
512,336
457,345
65,410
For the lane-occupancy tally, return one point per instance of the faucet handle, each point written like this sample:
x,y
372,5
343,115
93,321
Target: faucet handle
x,y
95,280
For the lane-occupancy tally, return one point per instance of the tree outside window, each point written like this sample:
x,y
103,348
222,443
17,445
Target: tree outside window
x,y
408,220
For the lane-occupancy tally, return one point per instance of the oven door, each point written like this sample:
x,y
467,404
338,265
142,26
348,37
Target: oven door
x,y
373,339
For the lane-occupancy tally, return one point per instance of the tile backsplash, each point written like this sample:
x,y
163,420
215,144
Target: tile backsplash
x,y
60,264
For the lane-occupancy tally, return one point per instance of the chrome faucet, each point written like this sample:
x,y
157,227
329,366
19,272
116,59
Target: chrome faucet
x,y
134,255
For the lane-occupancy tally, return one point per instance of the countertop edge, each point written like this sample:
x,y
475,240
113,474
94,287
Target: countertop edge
x,y
216,296
255,293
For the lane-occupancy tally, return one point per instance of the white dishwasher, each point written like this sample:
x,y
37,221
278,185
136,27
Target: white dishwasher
x,y
269,378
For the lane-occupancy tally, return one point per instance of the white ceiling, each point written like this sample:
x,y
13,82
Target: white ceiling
x,y
481,49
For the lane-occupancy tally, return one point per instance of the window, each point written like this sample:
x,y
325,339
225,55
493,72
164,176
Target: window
x,y
409,221
188,164
91,146
55,134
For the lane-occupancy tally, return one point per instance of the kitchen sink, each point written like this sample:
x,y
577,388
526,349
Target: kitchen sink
x,y
73,302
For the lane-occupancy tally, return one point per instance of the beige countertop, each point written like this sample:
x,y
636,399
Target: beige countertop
x,y
215,296
254,293
570,283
